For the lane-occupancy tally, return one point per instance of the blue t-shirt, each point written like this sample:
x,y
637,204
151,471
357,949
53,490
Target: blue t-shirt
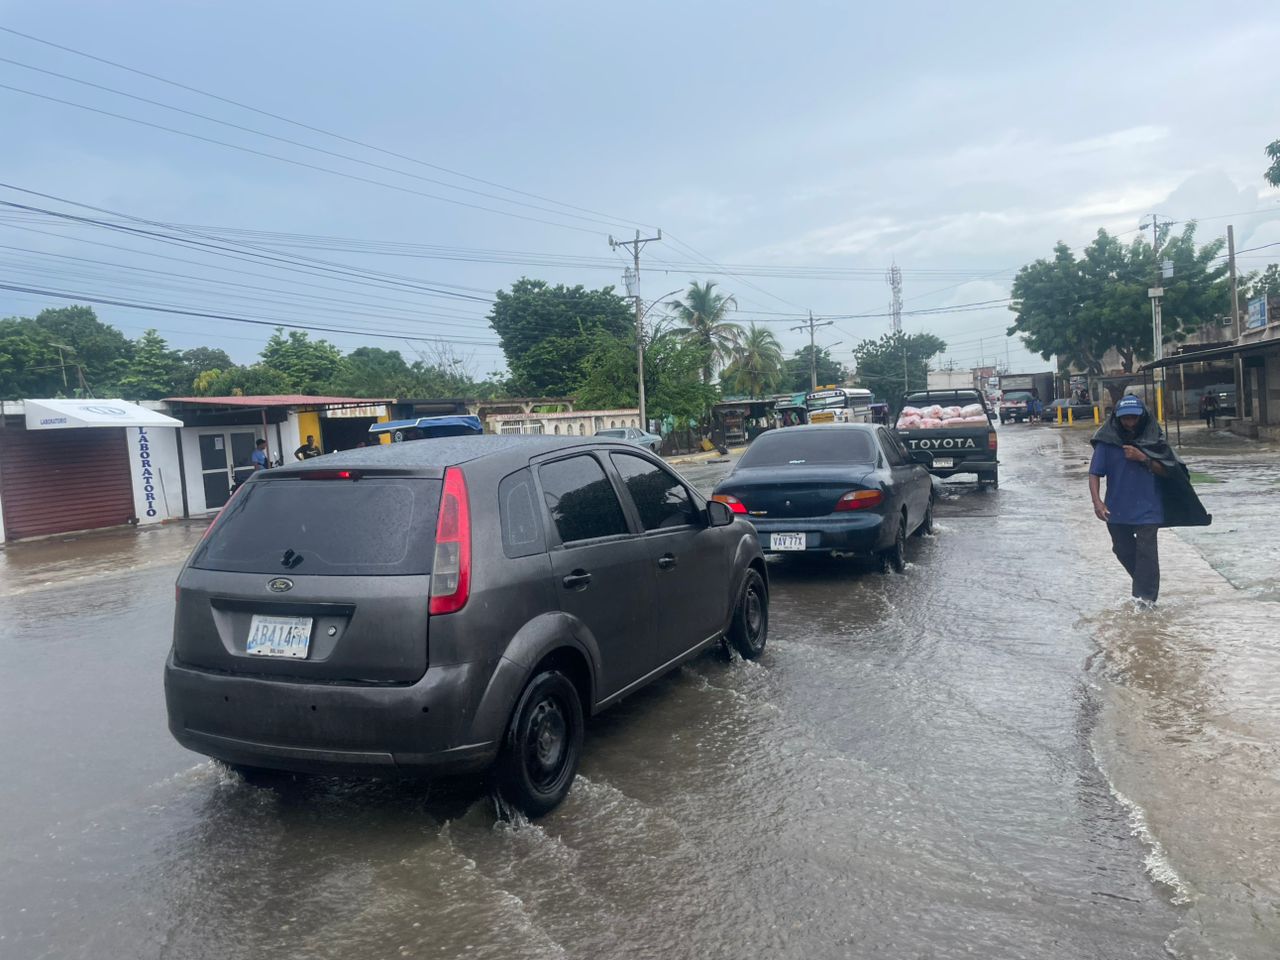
x,y
1133,494
260,459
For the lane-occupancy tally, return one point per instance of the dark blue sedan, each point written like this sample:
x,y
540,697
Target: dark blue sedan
x,y
832,488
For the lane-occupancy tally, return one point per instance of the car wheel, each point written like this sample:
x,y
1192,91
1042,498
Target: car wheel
x,y
656,448
543,745
926,525
895,558
749,629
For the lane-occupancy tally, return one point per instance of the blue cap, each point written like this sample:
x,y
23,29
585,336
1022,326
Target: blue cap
x,y
1130,406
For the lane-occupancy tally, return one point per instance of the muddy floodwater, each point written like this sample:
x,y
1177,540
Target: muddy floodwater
x,y
991,755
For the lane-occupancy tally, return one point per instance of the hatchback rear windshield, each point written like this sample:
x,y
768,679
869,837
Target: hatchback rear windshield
x,y
789,446
382,526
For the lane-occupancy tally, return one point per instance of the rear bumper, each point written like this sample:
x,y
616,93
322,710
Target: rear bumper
x,y
429,727
980,467
852,532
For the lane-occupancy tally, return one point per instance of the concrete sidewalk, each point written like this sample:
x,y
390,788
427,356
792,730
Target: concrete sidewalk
x,y
705,456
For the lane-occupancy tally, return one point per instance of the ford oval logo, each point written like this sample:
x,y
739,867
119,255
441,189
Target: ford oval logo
x,y
279,584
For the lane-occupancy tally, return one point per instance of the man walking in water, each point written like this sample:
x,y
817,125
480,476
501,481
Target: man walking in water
x,y
1147,487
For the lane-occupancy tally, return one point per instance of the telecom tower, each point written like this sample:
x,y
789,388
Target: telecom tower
x,y
894,279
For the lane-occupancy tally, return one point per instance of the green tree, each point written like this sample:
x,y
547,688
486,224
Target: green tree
x,y
60,353
200,360
757,364
884,363
1260,284
547,332
797,374
1079,308
154,370
255,381
672,377
701,316
373,372
307,365
1272,175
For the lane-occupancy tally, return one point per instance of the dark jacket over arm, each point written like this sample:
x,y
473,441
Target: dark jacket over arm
x,y
1182,507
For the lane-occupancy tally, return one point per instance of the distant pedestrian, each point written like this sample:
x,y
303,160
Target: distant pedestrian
x,y
259,456
1148,487
1209,409
307,450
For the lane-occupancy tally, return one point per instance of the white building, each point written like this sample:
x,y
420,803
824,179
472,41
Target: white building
x,y
569,423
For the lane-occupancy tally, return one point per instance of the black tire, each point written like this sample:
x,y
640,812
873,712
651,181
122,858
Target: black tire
x,y
895,558
656,448
543,745
749,630
926,525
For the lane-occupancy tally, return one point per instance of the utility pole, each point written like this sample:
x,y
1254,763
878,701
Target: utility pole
x,y
811,326
636,246
1235,320
1157,331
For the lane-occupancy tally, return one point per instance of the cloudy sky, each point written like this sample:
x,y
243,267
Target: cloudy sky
x,y
401,161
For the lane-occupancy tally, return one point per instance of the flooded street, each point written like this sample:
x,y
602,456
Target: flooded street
x,y
990,755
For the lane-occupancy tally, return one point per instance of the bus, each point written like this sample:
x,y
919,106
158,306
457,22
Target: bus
x,y
839,405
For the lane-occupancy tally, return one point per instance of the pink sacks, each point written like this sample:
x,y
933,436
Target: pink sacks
x,y
954,422
930,423
969,421
972,410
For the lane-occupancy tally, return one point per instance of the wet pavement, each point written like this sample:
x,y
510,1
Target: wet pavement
x,y
992,754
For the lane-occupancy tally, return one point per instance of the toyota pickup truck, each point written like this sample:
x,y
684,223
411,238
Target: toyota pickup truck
x,y
960,448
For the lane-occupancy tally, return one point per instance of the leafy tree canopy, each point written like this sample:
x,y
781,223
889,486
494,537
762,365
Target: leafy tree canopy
x,y
59,353
547,332
796,377
757,365
672,377
702,320
154,370
306,365
896,363
1079,308
1272,175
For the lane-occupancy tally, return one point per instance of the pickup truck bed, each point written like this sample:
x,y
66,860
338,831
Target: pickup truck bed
x,y
971,448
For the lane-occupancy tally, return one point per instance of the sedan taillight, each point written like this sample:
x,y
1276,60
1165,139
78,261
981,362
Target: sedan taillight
x,y
733,503
451,571
859,500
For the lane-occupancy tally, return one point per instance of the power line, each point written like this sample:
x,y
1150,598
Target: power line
x,y
306,126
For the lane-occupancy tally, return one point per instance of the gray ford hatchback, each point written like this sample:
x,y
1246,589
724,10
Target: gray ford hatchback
x,y
450,605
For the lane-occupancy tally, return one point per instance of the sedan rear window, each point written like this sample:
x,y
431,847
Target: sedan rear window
x,y
792,446
383,526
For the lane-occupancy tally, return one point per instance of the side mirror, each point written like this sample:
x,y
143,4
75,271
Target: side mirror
x,y
923,457
718,514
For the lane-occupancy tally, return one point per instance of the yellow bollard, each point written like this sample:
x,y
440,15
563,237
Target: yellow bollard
x,y
1097,415
1059,416
1071,417
1160,404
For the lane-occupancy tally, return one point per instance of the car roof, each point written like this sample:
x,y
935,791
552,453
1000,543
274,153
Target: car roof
x,y
825,427
438,452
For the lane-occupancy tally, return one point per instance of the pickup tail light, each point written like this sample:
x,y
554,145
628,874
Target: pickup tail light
x,y
859,500
733,503
451,571
991,440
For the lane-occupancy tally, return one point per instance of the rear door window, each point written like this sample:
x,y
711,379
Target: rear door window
x,y
374,526
661,500
581,500
522,534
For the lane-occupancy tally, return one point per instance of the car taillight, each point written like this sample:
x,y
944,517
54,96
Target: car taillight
x,y
991,440
451,571
860,500
733,503
331,475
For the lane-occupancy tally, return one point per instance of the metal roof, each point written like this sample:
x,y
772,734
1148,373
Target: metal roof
x,y
279,400
1217,353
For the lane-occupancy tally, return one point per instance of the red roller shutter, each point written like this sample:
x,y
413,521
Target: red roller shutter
x,y
53,481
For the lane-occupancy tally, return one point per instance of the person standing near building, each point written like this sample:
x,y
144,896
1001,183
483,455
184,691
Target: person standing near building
x,y
307,450
1148,487
1209,408
259,456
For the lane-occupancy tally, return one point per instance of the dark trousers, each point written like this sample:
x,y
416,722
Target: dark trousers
x,y
1135,547
1211,420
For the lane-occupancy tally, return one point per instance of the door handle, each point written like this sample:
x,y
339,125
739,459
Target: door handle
x,y
577,579
667,561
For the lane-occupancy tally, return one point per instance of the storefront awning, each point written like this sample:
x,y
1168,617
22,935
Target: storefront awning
x,y
70,414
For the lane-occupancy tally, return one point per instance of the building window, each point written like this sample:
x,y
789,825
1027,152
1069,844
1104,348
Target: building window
x,y
557,429
582,430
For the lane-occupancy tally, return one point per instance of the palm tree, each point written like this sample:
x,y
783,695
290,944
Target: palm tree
x,y
757,365
701,315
